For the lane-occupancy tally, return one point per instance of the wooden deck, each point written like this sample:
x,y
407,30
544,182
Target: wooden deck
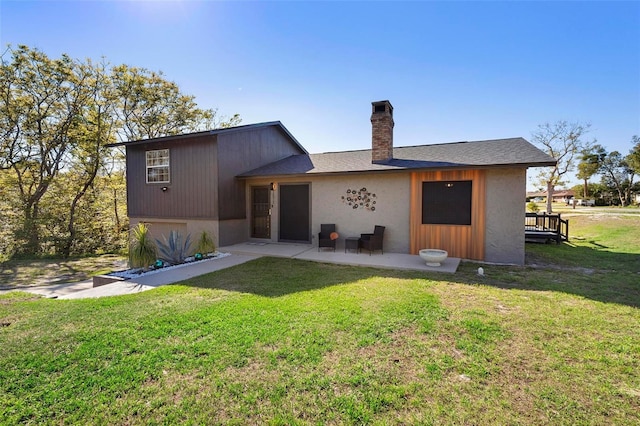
x,y
546,227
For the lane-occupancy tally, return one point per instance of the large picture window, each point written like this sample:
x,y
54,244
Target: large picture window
x,y
158,166
446,202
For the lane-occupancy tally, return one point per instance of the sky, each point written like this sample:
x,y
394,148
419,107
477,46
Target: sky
x,y
453,70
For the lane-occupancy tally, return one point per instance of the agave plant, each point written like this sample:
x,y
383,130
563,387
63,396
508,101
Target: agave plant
x,y
173,250
205,243
142,252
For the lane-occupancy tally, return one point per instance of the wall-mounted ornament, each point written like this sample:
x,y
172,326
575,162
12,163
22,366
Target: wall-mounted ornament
x,y
360,199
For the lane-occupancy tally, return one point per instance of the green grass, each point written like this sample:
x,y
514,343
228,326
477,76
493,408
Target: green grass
x,y
281,341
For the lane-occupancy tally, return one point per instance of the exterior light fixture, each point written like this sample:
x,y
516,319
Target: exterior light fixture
x,y
449,185
198,256
159,263
272,186
165,189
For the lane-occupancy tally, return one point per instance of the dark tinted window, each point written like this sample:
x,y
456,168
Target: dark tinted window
x,y
446,203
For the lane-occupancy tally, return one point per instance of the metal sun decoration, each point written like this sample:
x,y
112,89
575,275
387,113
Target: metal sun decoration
x,y
360,199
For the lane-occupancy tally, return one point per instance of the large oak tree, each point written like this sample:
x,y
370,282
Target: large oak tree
x,y
56,118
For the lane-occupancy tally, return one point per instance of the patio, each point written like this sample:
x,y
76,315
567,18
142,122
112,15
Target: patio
x,y
310,252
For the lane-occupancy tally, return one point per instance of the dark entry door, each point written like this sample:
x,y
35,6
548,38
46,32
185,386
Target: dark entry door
x,y
260,212
294,213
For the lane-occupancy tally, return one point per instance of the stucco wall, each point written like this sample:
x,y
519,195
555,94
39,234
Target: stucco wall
x,y
505,201
233,231
159,227
391,208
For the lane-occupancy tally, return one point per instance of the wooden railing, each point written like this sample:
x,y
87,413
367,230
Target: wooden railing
x,y
546,226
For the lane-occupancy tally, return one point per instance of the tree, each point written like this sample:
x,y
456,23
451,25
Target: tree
x,y
151,106
57,117
590,160
562,141
633,160
90,135
616,173
42,98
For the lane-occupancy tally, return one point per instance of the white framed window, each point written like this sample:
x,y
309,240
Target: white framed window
x,y
158,166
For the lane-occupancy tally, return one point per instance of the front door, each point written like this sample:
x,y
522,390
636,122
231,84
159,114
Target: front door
x,y
260,212
294,213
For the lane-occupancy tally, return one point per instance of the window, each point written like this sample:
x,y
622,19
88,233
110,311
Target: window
x,y
446,202
158,166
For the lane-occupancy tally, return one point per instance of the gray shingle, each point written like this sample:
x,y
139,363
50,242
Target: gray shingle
x,y
476,154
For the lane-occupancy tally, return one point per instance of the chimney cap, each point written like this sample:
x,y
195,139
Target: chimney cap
x,y
378,107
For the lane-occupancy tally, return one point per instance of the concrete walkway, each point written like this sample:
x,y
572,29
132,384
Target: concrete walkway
x,y
240,253
85,289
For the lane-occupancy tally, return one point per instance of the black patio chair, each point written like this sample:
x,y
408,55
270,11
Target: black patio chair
x,y
373,241
325,237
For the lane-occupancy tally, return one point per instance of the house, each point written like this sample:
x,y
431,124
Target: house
x,y
258,183
188,183
559,195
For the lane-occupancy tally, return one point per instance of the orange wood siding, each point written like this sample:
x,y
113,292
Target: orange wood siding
x,y
464,241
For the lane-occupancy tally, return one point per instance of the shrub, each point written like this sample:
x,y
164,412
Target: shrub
x,y
142,252
205,243
173,250
532,207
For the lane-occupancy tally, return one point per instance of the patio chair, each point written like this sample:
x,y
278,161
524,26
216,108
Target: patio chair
x,y
327,236
373,241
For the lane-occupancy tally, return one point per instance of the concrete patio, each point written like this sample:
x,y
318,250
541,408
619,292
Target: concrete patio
x,y
309,252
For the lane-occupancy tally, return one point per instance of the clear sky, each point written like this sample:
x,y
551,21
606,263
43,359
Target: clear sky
x,y
453,70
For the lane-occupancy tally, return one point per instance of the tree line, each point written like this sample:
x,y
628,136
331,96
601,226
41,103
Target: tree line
x,y
566,143
62,188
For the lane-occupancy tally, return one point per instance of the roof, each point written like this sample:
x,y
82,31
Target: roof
x,y
476,154
556,193
220,131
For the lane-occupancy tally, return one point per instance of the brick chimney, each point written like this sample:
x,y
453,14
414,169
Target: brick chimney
x,y
381,131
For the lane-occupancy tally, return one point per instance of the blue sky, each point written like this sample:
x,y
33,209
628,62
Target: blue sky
x,y
452,70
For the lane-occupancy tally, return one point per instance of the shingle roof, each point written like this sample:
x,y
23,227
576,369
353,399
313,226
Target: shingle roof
x,y
245,127
476,154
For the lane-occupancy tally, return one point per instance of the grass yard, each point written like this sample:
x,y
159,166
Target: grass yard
x,y
281,341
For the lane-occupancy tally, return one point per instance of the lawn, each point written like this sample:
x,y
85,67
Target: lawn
x,y
281,341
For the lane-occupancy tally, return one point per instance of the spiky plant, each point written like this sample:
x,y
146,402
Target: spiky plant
x,y
142,251
173,250
205,243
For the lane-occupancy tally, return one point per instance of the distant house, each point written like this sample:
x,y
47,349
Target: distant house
x,y
257,183
559,195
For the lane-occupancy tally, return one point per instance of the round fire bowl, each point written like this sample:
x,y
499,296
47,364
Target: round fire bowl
x,y
433,257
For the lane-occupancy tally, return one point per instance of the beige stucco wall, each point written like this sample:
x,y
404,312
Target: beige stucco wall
x,y
159,227
504,237
392,207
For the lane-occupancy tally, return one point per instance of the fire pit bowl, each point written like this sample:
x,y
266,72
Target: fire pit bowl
x,y
433,257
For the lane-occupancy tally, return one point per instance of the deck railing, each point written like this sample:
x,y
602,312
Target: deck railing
x,y
546,226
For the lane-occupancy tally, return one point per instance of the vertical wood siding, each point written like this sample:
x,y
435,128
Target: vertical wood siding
x,y
203,174
245,150
192,190
462,241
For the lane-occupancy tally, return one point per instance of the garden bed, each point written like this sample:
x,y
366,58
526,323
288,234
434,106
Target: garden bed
x,y
100,280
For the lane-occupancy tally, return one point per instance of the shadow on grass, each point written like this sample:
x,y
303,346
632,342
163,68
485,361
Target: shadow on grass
x,y
598,275
275,276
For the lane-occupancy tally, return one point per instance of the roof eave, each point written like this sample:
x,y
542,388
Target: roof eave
x,y
277,124
397,170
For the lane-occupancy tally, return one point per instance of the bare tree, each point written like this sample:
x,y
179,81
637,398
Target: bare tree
x,y
562,141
